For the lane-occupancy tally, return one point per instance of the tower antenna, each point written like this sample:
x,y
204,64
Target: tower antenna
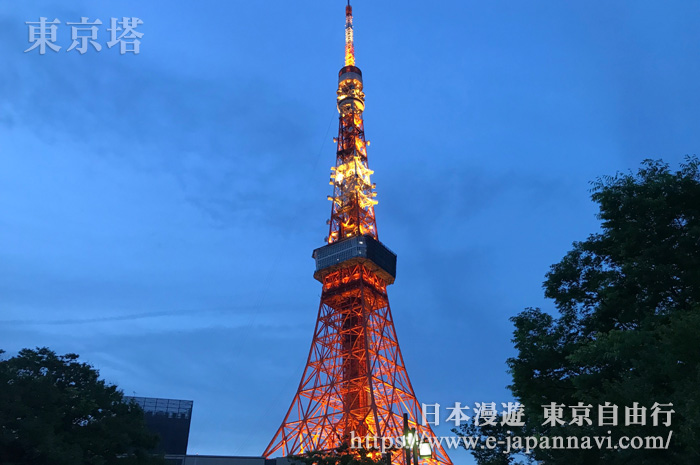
x,y
349,37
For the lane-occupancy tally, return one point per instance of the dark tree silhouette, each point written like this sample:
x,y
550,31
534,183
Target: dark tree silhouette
x,y
628,300
54,410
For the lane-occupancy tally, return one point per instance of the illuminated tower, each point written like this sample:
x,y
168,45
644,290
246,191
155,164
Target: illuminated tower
x,y
355,382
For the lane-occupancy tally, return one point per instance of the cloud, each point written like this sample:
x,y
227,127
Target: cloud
x,y
226,141
234,367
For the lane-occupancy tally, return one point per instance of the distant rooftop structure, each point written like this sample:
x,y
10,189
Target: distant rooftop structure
x,y
220,460
170,407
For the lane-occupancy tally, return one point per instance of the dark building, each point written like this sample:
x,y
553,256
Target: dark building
x,y
169,419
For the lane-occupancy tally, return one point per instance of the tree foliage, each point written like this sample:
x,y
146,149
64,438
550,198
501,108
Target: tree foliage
x,y
54,410
628,299
343,455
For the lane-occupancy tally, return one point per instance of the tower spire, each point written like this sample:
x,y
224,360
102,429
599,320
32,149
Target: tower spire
x,y
352,213
349,38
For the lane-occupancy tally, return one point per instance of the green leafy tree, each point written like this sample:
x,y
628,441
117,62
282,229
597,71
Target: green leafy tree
x,y
343,455
499,453
628,300
55,410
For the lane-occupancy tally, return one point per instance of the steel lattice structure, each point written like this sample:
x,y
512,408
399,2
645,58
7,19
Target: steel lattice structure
x,y
355,382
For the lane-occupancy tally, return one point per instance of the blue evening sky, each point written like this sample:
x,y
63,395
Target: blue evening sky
x,y
158,211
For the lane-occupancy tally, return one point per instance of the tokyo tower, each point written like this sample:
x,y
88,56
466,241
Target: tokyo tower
x,y
355,382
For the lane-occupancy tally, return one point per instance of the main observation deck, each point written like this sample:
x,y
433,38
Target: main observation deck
x,y
358,249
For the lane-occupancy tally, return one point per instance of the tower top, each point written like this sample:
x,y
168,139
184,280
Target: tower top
x,y
349,38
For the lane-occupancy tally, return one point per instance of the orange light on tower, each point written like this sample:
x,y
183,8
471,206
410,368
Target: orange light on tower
x,y
355,382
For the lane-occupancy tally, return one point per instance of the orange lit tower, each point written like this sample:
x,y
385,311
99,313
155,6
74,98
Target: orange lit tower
x,y
355,381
